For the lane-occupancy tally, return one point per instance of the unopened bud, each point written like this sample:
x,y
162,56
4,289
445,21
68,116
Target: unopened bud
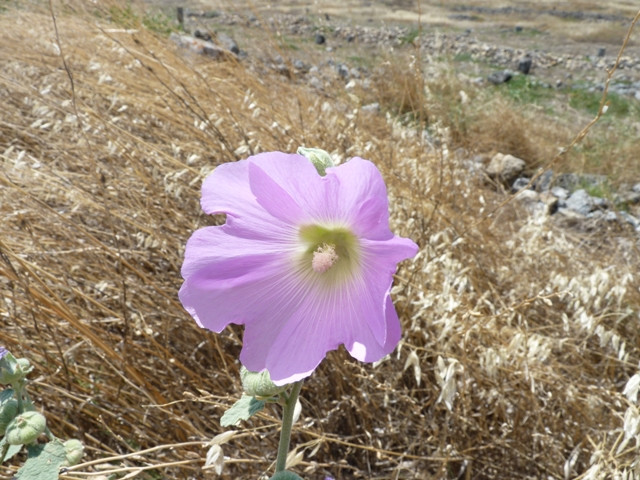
x,y
25,428
320,159
73,452
259,384
11,370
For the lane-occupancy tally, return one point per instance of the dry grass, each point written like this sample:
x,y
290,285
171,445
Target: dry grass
x,y
519,336
609,34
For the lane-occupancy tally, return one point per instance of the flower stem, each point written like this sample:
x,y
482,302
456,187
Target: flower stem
x,y
287,423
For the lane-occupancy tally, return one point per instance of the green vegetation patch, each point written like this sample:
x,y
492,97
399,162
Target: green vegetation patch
x,y
410,36
525,89
589,101
157,21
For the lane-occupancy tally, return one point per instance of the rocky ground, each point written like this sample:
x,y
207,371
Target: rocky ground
x,y
566,46
515,44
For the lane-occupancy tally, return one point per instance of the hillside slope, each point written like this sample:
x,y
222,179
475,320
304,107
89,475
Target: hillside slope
x,y
520,334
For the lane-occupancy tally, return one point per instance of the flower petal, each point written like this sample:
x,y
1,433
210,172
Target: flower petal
x,y
231,279
360,197
289,189
228,190
209,246
366,348
359,315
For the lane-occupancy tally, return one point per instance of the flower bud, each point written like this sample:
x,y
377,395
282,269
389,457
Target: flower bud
x,y
320,159
8,411
73,452
10,371
259,384
25,366
25,428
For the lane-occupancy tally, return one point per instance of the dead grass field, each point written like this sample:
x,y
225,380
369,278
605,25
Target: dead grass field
x,y
519,335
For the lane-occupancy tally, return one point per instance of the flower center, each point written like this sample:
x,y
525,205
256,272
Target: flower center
x,y
332,252
324,258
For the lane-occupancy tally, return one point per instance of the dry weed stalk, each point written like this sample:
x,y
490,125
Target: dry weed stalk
x,y
519,339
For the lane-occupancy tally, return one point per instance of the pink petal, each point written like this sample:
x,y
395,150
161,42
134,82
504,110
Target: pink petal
x,y
315,320
360,197
209,246
231,279
228,190
289,189
365,349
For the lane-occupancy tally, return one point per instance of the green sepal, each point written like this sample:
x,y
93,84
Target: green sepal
x,y
320,159
243,409
259,384
44,461
286,475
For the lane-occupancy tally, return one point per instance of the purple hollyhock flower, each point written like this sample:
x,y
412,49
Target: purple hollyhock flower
x,y
304,261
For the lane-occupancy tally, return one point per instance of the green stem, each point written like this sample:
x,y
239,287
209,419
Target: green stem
x,y
18,388
287,423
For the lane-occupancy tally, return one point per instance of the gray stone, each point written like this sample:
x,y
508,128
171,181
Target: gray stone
x,y
300,65
203,35
528,197
560,193
502,76
572,181
520,183
580,201
601,203
316,83
371,108
343,70
227,42
180,16
543,182
200,46
551,203
524,64
630,198
630,219
319,39
505,168
568,181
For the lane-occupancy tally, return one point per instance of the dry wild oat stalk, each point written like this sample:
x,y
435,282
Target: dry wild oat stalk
x,y
521,349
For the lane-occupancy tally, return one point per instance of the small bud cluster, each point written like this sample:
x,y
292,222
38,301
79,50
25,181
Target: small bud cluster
x,y
21,424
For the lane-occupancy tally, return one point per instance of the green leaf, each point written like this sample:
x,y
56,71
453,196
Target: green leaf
x,y
44,461
11,451
285,476
6,395
243,409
